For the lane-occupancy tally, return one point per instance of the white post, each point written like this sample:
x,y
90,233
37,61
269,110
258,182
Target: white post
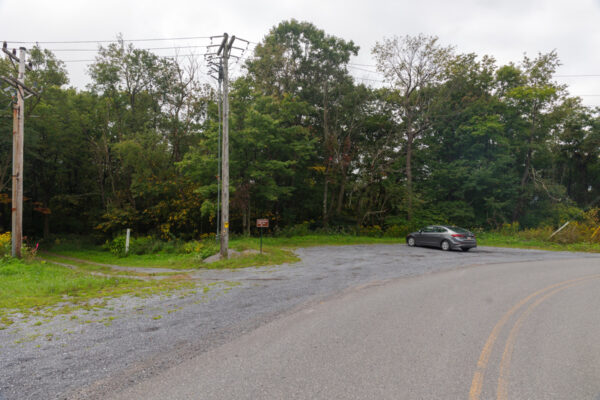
x,y
127,241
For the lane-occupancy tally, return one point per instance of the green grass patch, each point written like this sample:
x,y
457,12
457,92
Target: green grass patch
x,y
88,267
157,260
271,256
515,240
276,250
33,287
314,240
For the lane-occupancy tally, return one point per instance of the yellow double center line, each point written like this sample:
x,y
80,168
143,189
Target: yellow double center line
x,y
484,358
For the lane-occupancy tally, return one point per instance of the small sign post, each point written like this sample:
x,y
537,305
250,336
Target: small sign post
x,y
261,224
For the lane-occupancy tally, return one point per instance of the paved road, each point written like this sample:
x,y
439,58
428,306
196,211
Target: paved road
x,y
94,353
506,331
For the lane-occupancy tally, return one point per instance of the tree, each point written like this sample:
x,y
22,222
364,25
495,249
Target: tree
x,y
532,100
297,59
411,65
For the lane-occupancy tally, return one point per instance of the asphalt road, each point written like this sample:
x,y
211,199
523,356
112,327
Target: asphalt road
x,y
456,297
508,331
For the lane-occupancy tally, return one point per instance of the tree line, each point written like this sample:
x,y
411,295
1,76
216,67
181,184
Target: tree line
x,y
449,137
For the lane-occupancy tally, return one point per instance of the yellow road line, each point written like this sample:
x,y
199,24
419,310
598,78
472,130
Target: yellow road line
x,y
477,382
502,392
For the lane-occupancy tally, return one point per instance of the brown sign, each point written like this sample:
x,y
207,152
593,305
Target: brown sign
x,y
262,223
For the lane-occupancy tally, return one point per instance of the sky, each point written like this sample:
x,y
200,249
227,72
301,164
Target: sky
x,y
504,29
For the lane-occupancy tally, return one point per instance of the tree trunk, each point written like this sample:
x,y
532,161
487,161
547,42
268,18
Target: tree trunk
x,y
46,226
525,176
249,221
326,152
409,191
325,194
340,199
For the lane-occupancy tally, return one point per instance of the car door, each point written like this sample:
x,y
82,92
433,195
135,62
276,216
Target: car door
x,y
440,235
427,237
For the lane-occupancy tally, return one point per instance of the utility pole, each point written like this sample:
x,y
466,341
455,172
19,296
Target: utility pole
x,y
219,102
18,139
225,48
224,53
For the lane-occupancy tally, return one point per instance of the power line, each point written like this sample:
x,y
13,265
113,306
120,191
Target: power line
x,y
115,40
576,76
138,48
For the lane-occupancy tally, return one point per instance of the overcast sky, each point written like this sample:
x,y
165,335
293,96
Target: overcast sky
x,y
504,29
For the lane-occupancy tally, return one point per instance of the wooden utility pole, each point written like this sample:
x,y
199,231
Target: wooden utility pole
x,y
219,102
17,187
225,48
18,139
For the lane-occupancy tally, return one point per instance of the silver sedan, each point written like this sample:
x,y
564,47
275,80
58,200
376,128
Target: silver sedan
x,y
444,237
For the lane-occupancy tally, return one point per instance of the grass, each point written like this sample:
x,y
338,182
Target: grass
x,y
316,240
29,287
276,251
95,254
89,267
497,239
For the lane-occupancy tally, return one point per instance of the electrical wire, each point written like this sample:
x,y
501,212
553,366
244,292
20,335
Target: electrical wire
x,y
114,40
137,48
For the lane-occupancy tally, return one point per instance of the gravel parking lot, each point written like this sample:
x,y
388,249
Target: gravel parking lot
x,y
91,353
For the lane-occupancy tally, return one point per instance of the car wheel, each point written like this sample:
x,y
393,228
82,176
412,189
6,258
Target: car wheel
x,y
445,245
411,241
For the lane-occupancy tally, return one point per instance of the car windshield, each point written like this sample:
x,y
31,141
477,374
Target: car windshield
x,y
458,230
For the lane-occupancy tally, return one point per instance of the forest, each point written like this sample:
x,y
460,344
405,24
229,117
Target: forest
x,y
447,138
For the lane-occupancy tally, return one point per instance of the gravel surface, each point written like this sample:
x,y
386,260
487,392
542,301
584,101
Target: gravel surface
x,y
89,354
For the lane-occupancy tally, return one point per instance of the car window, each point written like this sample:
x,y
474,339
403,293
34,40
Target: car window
x,y
440,229
459,230
428,229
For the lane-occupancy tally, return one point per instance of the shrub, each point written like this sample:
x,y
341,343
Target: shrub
x,y
5,244
372,231
302,229
396,231
117,246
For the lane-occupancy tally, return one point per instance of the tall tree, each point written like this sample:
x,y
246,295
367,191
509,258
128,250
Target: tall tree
x,y
411,64
300,60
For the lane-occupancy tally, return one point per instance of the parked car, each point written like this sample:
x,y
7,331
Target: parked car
x,y
444,237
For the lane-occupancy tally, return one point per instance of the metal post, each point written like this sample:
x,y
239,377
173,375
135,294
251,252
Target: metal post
x,y
261,229
18,137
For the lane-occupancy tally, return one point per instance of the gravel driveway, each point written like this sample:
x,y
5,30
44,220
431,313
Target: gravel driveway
x,y
91,353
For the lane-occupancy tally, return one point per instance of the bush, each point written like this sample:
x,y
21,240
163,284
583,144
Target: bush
x,y
302,229
5,244
372,231
28,250
396,231
117,246
208,249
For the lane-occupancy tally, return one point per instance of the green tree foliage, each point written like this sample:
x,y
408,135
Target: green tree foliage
x,y
451,138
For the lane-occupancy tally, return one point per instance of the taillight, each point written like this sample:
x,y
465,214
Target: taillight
x,y
458,235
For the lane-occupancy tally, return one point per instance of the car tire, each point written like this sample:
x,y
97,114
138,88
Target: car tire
x,y
411,241
465,249
445,245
